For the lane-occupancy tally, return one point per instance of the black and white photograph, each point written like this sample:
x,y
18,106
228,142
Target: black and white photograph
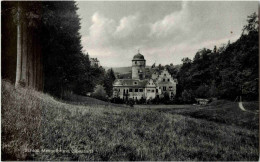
x,y
130,81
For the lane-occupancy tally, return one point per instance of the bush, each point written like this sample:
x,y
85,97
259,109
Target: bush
x,y
130,102
141,101
117,100
99,93
187,96
204,91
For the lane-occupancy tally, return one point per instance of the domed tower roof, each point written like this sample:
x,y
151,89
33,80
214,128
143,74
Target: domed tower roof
x,y
138,57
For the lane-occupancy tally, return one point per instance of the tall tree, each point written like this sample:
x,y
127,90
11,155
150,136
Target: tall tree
x,y
61,46
23,16
108,81
19,48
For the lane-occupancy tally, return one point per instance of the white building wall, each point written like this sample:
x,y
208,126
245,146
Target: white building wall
x,y
130,95
150,93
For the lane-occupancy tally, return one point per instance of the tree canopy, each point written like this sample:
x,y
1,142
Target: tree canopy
x,y
225,72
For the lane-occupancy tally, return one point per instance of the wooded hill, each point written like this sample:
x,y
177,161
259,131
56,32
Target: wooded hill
x,y
225,72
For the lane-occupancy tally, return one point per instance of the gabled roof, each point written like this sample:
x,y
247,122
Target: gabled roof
x,y
130,83
151,85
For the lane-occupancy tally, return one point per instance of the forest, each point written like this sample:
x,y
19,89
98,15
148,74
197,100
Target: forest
x,y
224,72
55,26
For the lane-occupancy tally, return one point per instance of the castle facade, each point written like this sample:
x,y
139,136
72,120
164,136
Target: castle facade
x,y
139,87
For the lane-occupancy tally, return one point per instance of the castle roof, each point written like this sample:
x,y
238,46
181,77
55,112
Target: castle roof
x,y
138,57
130,83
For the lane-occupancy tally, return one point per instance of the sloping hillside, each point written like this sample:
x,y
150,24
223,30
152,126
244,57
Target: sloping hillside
x,y
225,112
35,126
89,101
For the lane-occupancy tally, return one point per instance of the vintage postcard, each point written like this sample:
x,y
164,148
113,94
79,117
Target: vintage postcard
x,y
129,80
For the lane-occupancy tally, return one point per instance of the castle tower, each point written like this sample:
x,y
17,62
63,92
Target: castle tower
x,y
138,67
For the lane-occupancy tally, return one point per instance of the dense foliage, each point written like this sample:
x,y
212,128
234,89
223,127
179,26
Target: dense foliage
x,y
108,81
64,63
57,25
225,72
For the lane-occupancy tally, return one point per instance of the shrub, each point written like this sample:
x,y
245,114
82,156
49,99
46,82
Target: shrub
x,y
187,96
204,91
130,102
99,93
117,100
141,101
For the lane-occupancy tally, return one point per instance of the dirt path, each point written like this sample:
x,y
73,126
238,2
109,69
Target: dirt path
x,y
240,104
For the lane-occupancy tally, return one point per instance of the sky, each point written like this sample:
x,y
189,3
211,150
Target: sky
x,y
164,32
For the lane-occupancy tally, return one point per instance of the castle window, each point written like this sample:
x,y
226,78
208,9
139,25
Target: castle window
x,y
164,88
135,62
140,90
148,90
168,80
156,90
136,90
163,80
152,90
164,74
130,90
135,83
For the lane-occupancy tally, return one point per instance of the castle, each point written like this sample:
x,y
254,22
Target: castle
x,y
159,84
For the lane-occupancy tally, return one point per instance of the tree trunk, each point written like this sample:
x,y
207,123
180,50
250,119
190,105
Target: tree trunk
x,y
41,70
42,74
24,56
30,59
34,60
19,50
29,67
38,66
27,57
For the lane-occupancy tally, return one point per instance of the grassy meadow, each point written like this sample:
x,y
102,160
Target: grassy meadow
x,y
58,130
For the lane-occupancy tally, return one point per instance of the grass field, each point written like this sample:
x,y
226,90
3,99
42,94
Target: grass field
x,y
223,112
89,101
63,131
